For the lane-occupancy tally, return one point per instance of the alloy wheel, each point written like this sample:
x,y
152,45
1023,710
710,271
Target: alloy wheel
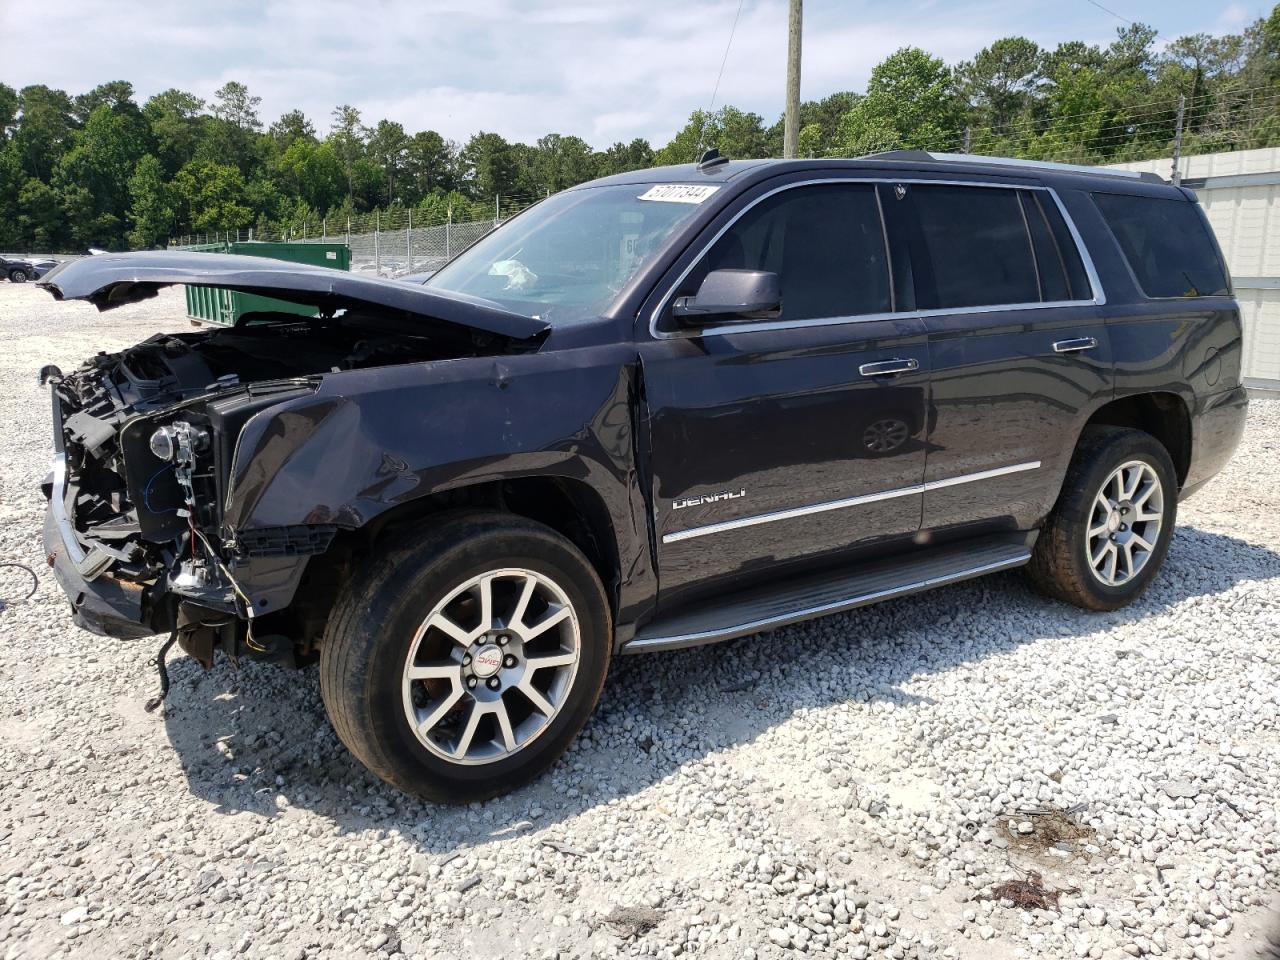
x,y
491,666
1125,522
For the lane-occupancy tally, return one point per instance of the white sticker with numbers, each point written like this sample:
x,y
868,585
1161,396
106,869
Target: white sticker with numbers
x,y
678,193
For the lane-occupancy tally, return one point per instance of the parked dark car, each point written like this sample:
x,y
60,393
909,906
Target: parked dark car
x,y
22,270
666,408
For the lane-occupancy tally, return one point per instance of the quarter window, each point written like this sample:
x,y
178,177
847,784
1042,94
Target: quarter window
x,y
1167,244
826,243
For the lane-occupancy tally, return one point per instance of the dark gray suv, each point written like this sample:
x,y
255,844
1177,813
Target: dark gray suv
x,y
666,408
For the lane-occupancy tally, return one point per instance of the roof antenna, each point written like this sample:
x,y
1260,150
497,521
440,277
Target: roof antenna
x,y
710,160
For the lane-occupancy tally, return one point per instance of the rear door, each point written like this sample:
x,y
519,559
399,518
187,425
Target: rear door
x,y
781,441
1018,347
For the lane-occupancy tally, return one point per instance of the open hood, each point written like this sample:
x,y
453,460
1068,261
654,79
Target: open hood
x,y
112,280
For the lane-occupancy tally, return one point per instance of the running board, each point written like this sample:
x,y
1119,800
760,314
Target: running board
x,y
817,595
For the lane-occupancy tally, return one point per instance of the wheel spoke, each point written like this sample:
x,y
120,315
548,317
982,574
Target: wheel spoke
x,y
504,726
447,626
469,731
442,708
550,660
1101,553
540,702
1112,557
486,605
1099,531
438,670
1128,559
1135,478
555,617
1142,542
522,605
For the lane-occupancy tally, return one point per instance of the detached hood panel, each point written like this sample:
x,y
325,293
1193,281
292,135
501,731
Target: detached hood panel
x,y
115,279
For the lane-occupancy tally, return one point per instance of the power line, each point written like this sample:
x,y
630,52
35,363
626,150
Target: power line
x,y
1112,12
725,59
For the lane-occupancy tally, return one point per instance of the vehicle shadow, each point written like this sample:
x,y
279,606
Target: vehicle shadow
x,y
258,740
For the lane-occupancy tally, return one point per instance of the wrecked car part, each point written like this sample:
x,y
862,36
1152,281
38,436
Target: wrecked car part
x,y
151,705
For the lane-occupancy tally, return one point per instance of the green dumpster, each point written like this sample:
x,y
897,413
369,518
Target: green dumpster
x,y
225,307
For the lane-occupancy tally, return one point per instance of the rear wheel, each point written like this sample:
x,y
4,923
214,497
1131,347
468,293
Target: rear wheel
x,y
1110,529
463,663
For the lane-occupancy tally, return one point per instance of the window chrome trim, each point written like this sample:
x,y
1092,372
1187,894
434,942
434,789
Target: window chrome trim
x,y
1099,295
858,501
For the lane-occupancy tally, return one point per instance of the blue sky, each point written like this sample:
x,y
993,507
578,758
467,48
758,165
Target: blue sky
x,y
603,70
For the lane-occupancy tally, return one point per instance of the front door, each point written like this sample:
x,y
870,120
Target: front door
x,y
785,441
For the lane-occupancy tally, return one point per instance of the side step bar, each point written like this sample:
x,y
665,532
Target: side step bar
x,y
820,594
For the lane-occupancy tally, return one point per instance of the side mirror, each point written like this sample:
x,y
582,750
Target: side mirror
x,y
732,295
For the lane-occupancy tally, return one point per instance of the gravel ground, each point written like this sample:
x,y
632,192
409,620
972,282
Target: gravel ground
x,y
976,772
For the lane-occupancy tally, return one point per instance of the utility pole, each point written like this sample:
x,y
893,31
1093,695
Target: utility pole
x,y
1177,140
791,128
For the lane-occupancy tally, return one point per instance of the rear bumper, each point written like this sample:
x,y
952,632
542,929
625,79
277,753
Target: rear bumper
x,y
105,606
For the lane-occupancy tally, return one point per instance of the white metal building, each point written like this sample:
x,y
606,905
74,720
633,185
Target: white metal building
x,y
1240,192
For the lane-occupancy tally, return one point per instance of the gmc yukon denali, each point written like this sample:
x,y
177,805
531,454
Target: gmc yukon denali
x,y
661,409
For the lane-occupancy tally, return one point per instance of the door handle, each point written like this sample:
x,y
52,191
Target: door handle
x,y
1076,345
883,368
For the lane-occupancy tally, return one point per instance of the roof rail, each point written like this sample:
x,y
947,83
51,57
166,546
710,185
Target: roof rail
x,y
925,156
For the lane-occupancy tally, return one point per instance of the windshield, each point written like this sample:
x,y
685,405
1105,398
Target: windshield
x,y
565,259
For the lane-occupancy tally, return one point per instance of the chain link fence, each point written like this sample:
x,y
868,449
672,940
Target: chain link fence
x,y
385,253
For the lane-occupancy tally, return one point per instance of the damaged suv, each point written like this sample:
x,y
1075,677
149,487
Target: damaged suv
x,y
662,409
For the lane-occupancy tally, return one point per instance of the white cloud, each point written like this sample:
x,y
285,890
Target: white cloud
x,y
605,70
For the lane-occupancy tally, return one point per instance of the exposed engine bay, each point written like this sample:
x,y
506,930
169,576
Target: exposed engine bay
x,y
145,439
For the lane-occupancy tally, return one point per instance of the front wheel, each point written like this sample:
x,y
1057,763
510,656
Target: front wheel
x,y
17,275
1110,529
463,663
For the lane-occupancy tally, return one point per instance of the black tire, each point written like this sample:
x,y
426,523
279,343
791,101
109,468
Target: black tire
x,y
1060,564
371,633
17,275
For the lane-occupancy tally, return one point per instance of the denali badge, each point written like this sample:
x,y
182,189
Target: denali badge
x,y
708,498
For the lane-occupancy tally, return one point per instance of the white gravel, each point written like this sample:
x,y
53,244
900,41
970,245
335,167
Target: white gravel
x,y
852,787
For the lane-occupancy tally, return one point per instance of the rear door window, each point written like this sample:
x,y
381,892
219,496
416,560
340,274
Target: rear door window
x,y
1167,244
972,248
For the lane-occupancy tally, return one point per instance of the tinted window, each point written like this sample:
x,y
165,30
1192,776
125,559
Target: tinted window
x,y
1058,265
1166,243
975,246
826,244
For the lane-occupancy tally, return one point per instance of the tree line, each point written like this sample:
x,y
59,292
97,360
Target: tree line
x,y
100,170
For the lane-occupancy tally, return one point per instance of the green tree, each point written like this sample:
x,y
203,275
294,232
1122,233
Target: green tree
x,y
101,162
490,165
347,138
8,111
735,133
39,216
212,196
313,173
428,165
910,103
44,133
1000,82
176,123
152,203
560,162
291,127
387,146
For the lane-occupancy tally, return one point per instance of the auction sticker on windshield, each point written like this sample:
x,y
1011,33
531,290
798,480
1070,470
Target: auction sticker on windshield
x,y
678,193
